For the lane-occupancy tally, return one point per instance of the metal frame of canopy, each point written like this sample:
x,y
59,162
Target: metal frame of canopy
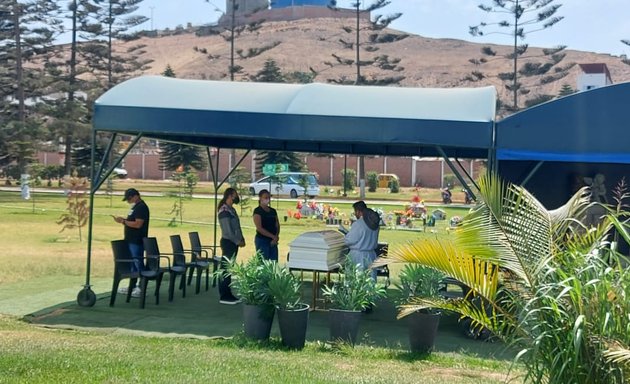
x,y
301,113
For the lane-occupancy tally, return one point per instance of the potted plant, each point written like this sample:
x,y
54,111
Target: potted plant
x,y
286,291
418,282
355,291
250,281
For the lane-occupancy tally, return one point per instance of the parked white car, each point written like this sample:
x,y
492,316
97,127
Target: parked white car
x,y
287,184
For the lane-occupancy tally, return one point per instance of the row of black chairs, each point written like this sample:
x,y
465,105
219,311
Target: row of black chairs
x,y
181,262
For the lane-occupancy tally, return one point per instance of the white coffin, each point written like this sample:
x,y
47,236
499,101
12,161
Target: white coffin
x,y
318,250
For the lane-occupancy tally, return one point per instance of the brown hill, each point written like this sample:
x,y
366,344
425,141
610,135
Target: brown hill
x,y
308,44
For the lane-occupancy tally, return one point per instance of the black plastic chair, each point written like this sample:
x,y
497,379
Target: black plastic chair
x,y
176,268
198,250
381,251
122,269
196,263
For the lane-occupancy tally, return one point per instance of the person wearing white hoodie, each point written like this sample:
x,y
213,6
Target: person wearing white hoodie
x,y
362,239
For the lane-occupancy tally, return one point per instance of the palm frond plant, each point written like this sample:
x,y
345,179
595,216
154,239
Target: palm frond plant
x,y
540,280
356,290
419,281
286,291
250,281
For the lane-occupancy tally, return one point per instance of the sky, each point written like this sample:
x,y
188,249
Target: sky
x,y
594,26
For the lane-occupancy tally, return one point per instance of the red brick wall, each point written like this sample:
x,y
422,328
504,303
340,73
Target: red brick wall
x,y
428,171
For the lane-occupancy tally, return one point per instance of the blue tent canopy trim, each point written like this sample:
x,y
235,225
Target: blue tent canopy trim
x,y
302,118
590,127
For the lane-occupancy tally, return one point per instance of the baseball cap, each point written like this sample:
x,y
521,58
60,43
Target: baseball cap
x,y
130,193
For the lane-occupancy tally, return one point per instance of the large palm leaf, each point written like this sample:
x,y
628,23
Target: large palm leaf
x,y
509,229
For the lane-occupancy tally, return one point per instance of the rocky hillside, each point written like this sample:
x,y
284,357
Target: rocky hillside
x,y
306,45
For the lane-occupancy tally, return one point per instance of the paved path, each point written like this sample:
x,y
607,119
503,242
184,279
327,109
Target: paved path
x,y
347,200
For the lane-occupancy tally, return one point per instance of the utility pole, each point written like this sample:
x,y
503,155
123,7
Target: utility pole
x,y
152,8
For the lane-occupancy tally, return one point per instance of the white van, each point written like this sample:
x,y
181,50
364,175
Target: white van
x,y
287,184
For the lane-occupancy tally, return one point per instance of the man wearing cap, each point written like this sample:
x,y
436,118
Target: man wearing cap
x,y
136,228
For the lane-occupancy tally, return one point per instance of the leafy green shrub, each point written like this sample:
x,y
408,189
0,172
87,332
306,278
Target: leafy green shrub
x,y
250,280
285,288
372,181
349,181
563,299
451,180
355,290
394,186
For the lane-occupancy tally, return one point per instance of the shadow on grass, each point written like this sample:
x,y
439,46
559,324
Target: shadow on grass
x,y
201,316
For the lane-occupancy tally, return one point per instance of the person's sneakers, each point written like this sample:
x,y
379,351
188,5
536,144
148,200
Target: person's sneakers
x,y
136,292
123,290
230,300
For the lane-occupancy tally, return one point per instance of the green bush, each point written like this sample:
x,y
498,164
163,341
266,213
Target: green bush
x,y
372,181
355,290
451,181
549,285
394,186
349,182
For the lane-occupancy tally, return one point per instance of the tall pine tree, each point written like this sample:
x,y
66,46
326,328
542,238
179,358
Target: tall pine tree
x,y
366,38
236,22
271,73
110,21
524,17
27,32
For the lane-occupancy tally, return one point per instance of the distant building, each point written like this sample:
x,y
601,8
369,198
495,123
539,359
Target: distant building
x,y
593,76
248,11
245,7
297,3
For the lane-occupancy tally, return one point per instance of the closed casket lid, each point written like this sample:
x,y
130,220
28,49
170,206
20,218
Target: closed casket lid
x,y
319,239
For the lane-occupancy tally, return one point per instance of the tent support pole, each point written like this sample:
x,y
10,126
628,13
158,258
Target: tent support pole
x,y
456,171
87,297
532,173
468,174
215,176
234,168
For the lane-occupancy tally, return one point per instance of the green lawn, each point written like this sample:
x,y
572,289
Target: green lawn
x,y
43,269
36,355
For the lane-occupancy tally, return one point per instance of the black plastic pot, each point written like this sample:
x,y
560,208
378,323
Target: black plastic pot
x,y
423,329
344,325
293,324
257,320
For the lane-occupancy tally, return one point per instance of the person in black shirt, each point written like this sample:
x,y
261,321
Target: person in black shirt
x,y
267,227
136,228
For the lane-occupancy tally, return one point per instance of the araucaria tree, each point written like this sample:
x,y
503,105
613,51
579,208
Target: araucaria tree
x,y
174,156
523,17
626,60
271,73
365,38
232,25
368,38
27,32
107,22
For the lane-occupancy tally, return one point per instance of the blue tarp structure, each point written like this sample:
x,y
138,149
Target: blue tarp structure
x,y
589,127
289,117
555,148
305,118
